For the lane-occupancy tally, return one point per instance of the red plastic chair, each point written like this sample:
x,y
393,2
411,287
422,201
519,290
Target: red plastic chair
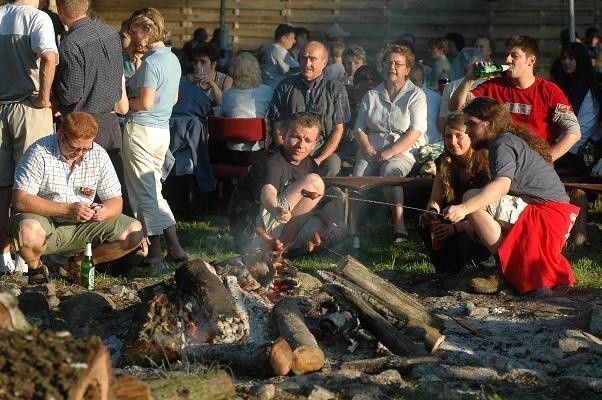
x,y
240,130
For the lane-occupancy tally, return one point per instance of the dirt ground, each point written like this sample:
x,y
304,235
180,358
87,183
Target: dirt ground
x,y
502,345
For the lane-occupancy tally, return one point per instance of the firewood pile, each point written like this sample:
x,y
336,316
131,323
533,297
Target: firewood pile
x,y
252,314
255,314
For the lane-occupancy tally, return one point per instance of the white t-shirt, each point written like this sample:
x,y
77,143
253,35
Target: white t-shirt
x,y
277,63
25,33
246,103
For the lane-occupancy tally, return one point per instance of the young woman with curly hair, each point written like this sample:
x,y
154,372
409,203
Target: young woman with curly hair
x,y
523,215
459,169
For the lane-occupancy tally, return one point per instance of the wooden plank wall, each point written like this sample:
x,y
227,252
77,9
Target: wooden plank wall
x,y
371,22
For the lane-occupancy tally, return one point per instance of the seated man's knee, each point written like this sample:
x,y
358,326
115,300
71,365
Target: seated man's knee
x,y
133,235
30,233
315,182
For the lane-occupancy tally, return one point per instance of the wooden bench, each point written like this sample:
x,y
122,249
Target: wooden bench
x,y
364,183
577,192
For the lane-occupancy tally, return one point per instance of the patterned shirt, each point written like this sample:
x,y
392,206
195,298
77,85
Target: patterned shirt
x,y
323,97
43,171
89,75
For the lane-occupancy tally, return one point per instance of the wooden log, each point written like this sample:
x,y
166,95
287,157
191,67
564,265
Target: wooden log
x,y
289,318
376,365
207,302
156,333
281,357
402,304
216,385
53,365
391,337
431,337
11,316
250,359
130,388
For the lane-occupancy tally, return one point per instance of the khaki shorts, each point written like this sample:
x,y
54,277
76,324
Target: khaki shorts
x,y
506,210
70,237
21,124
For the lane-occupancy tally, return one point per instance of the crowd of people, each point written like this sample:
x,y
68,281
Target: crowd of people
x,y
86,133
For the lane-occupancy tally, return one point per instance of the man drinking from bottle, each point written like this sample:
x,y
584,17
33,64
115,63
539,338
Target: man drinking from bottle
x,y
531,100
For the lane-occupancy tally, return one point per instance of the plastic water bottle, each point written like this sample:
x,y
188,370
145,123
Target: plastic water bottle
x,y
87,268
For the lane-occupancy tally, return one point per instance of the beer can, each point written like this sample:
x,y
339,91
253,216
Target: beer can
x,y
436,244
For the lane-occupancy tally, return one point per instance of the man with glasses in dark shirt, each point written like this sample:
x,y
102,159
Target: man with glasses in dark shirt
x,y
56,183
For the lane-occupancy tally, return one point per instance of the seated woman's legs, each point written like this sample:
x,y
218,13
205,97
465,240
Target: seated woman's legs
x,y
398,166
362,167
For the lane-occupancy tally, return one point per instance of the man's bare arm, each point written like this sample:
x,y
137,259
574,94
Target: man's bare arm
x,y
570,133
461,95
563,145
47,70
26,202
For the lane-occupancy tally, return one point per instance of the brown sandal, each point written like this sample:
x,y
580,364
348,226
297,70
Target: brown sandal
x,y
70,271
38,276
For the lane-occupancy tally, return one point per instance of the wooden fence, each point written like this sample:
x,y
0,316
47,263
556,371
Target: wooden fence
x,y
371,22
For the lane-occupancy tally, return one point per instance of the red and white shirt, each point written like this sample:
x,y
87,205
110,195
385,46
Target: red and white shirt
x,y
542,107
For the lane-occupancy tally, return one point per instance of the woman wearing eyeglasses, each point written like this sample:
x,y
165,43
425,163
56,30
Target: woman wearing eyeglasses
x,y
390,127
146,133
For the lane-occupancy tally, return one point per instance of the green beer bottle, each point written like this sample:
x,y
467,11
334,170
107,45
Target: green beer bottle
x,y
87,269
485,71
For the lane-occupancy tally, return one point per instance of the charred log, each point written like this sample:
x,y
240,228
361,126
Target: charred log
x,y
251,359
402,304
156,332
383,330
208,304
417,330
376,365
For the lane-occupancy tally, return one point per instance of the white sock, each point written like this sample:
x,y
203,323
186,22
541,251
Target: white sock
x,y
20,264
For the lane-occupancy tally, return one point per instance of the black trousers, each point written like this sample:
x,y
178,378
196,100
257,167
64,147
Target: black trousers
x,y
457,251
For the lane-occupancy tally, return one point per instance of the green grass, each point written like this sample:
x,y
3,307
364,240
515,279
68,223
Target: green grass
x,y
209,239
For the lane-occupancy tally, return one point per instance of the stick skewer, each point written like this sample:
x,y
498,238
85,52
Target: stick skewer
x,y
315,195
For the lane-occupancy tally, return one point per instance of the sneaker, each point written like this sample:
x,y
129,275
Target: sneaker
x,y
399,237
488,284
356,242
